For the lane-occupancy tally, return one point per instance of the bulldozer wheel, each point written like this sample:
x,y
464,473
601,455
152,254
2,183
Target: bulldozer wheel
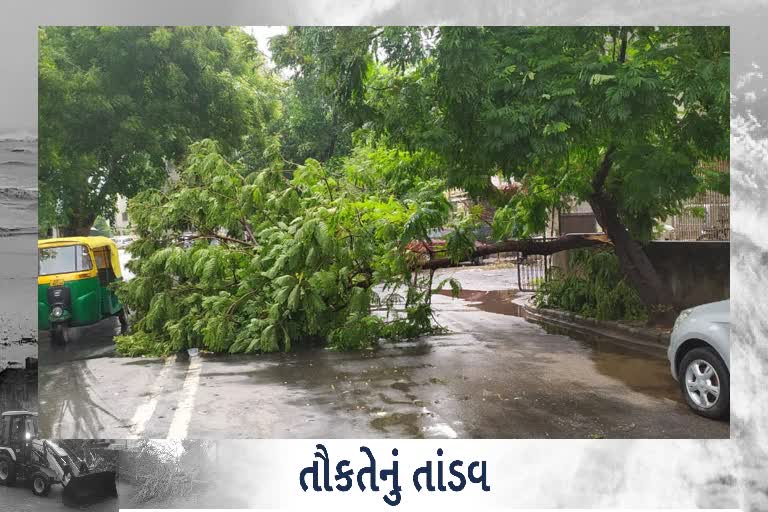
x,y
7,470
40,484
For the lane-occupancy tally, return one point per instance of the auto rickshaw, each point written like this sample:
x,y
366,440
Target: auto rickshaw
x,y
74,281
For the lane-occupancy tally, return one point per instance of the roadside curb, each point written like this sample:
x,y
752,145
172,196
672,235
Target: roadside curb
x,y
648,338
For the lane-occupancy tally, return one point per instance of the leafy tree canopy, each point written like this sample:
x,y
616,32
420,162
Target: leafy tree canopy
x,y
275,260
620,117
118,104
543,105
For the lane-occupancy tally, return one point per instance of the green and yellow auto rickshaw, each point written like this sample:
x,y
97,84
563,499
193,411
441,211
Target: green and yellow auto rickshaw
x,y
74,281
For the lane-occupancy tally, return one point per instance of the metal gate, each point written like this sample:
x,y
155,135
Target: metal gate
x,y
532,270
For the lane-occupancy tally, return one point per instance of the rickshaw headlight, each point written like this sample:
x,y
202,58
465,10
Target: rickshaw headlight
x,y
58,311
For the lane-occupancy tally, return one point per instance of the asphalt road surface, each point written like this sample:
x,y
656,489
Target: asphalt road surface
x,y
495,375
19,498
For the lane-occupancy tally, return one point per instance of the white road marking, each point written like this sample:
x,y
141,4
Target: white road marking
x,y
145,411
183,414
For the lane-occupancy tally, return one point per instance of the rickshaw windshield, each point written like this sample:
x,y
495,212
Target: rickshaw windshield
x,y
63,260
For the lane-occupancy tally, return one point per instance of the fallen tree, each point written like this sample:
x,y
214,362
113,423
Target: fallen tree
x,y
234,262
274,260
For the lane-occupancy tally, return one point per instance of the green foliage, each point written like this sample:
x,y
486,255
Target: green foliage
x,y
323,102
542,105
593,286
102,226
119,103
141,344
619,117
453,283
356,333
277,261
304,207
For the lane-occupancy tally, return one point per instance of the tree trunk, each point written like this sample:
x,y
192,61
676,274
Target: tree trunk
x,y
79,225
636,265
633,260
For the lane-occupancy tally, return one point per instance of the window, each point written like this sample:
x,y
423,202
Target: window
x,y
102,257
63,260
125,216
31,427
17,428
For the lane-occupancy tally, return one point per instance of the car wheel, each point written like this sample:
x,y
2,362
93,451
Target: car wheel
x,y
40,484
705,383
7,469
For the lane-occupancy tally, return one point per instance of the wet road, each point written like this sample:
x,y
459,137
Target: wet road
x,y
20,498
495,375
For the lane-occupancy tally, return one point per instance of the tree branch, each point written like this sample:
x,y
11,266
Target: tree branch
x,y
223,238
247,228
623,50
598,181
563,243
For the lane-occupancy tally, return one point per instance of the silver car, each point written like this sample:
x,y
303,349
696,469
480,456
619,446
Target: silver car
x,y
699,355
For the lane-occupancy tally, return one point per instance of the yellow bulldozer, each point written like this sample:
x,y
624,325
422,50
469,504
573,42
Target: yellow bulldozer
x,y
42,463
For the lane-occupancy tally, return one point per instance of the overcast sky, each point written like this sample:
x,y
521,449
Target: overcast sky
x,y
263,33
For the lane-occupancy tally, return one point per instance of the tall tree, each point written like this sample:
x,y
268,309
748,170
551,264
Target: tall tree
x,y
117,105
619,117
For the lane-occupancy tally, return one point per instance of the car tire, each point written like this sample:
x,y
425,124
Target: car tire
x,y
7,469
696,389
41,485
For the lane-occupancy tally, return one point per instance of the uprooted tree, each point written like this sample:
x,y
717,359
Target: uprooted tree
x,y
619,117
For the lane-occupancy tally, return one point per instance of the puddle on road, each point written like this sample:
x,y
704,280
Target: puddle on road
x,y
403,424
389,386
649,375
494,301
85,342
360,374
500,302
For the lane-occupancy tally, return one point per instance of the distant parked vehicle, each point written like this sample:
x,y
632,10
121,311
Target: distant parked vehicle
x,y
699,355
187,238
123,241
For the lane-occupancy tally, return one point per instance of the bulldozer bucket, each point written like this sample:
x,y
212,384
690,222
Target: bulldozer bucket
x,y
90,488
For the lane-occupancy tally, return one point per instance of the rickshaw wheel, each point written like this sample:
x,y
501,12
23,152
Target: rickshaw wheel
x,y
59,334
123,317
